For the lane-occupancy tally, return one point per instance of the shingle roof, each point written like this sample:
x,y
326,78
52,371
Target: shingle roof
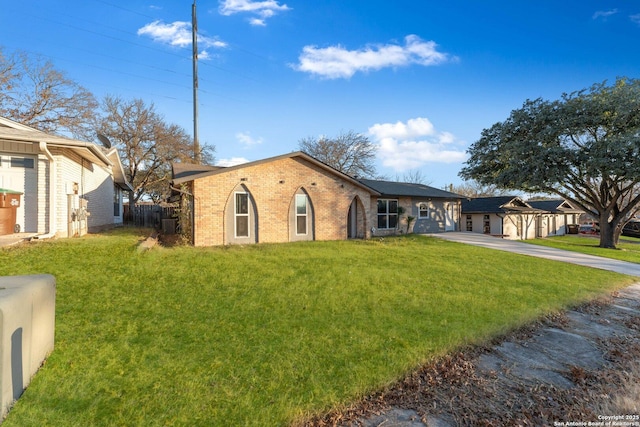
x,y
390,188
194,173
183,170
14,131
499,204
554,206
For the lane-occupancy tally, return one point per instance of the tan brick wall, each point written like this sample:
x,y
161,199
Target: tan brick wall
x,y
273,186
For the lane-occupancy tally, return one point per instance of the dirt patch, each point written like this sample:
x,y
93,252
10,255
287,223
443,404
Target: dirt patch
x,y
171,240
574,367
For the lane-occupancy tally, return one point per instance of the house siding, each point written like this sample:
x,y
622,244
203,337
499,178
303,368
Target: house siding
x,y
93,184
529,226
272,186
435,223
43,196
496,225
46,185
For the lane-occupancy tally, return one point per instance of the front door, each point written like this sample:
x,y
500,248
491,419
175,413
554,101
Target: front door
x,y
451,214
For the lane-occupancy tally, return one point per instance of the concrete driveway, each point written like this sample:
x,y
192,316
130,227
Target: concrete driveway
x,y
497,243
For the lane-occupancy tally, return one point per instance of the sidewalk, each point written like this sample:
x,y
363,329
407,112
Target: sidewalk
x,y
515,246
12,239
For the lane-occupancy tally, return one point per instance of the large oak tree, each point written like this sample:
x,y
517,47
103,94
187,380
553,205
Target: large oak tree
x,y
147,145
584,147
35,93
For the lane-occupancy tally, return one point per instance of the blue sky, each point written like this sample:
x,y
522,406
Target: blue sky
x,y
420,78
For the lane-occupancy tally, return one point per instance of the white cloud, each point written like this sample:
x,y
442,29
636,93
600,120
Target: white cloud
x,y
178,34
405,146
635,18
336,62
257,22
234,161
263,9
247,140
604,13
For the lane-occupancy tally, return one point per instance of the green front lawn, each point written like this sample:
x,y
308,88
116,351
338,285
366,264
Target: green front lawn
x,y
266,334
628,248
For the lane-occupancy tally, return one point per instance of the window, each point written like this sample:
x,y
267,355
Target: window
x,y
22,162
301,214
469,223
423,210
242,215
387,214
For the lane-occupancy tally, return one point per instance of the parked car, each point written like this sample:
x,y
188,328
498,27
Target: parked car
x,y
631,229
592,228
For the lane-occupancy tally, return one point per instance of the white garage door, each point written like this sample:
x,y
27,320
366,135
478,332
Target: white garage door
x,y
19,173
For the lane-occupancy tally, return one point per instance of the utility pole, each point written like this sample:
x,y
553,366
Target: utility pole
x,y
194,36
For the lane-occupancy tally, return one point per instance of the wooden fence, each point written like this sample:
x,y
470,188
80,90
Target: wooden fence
x,y
148,215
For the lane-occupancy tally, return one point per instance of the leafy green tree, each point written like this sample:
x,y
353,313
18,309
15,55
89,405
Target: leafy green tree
x,y
584,147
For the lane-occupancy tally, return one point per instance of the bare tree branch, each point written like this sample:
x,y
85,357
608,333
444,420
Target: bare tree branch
x,y
351,153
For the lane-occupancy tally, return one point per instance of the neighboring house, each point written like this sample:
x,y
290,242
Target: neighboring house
x,y
513,218
433,210
69,186
296,197
559,214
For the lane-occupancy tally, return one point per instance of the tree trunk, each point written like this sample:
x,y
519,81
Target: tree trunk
x,y
132,205
607,235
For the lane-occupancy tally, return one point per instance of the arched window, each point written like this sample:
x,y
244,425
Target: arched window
x,y
241,218
423,211
302,214
241,214
301,226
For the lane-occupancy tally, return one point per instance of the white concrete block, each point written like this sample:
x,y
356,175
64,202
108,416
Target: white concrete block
x,y
27,330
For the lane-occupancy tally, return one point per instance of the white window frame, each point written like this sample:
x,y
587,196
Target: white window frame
x,y
237,215
301,215
420,211
387,214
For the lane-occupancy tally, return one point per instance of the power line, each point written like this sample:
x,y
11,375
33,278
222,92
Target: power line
x,y
151,48
147,65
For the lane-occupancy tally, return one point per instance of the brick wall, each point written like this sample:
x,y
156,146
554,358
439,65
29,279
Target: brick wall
x,y
272,186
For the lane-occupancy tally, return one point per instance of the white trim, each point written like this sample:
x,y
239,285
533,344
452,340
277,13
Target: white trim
x,y
421,204
305,215
236,215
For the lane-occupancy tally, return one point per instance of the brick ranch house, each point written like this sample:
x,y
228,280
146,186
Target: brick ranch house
x,y
296,197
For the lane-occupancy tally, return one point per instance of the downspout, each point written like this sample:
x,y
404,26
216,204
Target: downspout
x,y
52,193
193,217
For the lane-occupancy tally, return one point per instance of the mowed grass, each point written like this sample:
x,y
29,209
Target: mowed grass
x,y
266,335
628,248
